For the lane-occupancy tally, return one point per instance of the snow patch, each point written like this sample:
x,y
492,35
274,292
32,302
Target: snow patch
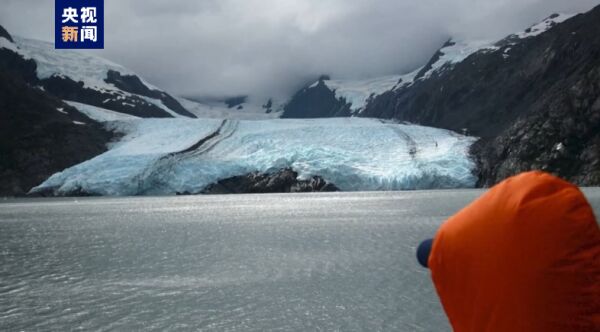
x,y
99,114
544,26
358,92
5,43
458,51
75,64
158,103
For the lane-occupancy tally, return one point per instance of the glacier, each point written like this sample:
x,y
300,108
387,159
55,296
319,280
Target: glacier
x,y
169,156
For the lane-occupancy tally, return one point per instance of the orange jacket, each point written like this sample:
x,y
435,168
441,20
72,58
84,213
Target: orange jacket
x,y
525,256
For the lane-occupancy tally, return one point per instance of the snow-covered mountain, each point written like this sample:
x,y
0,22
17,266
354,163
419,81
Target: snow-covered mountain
x,y
91,80
532,98
168,156
356,94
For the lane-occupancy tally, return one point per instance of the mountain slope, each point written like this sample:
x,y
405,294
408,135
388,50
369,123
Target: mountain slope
x,y
357,96
316,101
484,93
329,97
39,134
560,132
79,77
534,102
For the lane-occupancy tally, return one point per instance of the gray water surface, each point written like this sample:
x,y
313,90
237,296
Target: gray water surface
x,y
304,262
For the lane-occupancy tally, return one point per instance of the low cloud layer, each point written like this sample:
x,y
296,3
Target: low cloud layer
x,y
272,47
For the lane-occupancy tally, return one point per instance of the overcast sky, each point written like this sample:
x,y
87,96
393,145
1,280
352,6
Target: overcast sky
x,y
272,47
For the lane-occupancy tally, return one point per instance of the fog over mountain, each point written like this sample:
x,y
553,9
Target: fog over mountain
x,y
271,47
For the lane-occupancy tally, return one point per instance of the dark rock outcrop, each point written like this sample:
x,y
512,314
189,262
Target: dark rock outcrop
x,y
560,135
534,102
282,181
268,106
66,88
13,64
5,34
235,101
316,102
133,84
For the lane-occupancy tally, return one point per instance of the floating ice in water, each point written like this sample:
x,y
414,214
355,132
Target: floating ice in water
x,y
166,156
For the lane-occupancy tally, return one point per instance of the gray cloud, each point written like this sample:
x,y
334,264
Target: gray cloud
x,y
270,47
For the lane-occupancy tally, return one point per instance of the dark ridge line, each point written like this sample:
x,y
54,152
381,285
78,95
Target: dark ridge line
x,y
410,142
198,144
225,137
